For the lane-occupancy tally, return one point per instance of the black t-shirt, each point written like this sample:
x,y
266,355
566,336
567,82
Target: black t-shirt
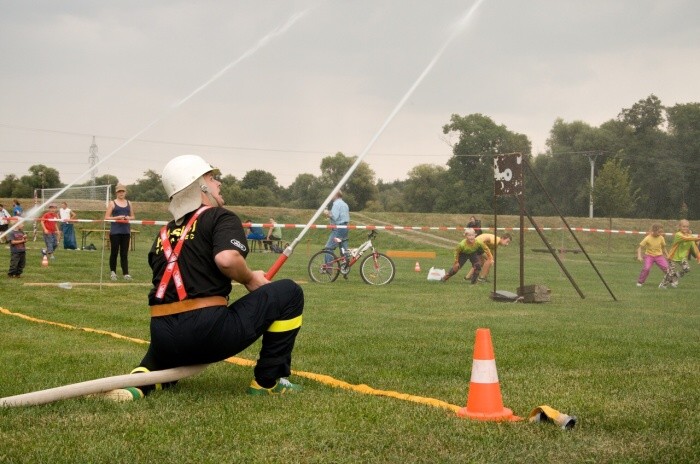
x,y
215,230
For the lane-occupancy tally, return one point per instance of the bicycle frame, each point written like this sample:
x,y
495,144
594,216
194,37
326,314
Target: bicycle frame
x,y
375,268
356,253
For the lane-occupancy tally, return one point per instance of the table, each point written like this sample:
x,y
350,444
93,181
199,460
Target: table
x,y
84,233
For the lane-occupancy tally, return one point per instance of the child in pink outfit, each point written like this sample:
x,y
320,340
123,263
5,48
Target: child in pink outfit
x,y
654,247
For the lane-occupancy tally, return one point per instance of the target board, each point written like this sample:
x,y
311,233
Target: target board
x,y
508,174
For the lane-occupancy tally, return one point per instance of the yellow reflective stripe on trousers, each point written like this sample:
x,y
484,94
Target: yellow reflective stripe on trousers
x,y
285,326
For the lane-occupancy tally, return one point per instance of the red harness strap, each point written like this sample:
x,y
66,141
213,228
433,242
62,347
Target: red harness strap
x,y
172,270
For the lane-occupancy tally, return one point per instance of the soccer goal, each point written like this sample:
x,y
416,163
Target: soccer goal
x,y
83,198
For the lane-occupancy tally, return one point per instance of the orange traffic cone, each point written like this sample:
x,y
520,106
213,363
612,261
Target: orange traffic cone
x,y
417,268
484,401
45,261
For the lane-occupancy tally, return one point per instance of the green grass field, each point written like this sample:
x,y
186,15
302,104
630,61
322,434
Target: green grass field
x,y
628,369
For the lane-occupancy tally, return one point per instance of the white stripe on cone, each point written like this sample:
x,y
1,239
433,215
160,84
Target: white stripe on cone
x,y
484,371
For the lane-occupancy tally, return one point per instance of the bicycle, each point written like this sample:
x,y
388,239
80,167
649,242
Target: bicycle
x,y
375,269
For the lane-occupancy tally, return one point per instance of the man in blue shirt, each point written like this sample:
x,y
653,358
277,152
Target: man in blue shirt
x,y
339,215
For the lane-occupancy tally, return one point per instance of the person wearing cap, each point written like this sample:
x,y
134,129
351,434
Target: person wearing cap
x,y
119,212
194,259
50,226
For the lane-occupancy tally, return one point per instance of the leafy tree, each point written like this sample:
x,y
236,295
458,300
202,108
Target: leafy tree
x,y
390,197
684,129
424,187
612,191
41,176
359,189
259,196
644,116
106,179
304,192
259,178
645,149
471,165
148,188
9,187
231,190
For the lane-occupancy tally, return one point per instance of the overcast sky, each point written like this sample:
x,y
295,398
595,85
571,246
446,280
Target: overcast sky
x,y
74,69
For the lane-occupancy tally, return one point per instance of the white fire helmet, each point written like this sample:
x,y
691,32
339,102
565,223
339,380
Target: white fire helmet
x,y
182,171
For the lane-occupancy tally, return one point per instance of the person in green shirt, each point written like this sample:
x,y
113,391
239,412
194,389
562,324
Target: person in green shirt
x,y
274,234
683,245
469,249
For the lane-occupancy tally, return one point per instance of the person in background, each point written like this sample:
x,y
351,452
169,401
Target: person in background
x,y
274,234
4,223
256,235
469,249
654,248
194,323
49,223
339,215
67,229
120,211
681,248
16,208
491,241
475,224
18,251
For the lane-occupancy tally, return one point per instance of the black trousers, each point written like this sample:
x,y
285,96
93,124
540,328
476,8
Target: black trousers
x,y
17,262
462,258
119,244
213,334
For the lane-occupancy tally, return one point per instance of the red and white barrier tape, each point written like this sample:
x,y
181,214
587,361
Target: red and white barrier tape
x,y
366,227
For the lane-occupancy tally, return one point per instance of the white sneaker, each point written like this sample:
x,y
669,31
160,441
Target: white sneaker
x,y
113,276
128,277
674,284
639,285
662,286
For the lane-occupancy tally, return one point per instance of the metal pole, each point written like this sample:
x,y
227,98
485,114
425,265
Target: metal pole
x,y
591,158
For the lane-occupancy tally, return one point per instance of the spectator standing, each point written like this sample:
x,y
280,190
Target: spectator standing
x,y
4,223
18,251
67,229
475,224
49,223
16,208
120,212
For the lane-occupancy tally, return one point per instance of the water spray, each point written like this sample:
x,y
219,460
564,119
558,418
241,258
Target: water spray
x,y
278,31
461,25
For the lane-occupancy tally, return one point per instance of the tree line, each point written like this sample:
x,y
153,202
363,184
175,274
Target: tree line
x,y
645,160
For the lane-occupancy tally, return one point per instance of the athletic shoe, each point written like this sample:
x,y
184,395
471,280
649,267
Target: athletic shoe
x,y
662,286
281,387
121,395
674,284
639,285
113,276
128,277
481,281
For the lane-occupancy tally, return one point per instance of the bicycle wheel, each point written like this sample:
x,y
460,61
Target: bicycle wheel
x,y
321,272
377,269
